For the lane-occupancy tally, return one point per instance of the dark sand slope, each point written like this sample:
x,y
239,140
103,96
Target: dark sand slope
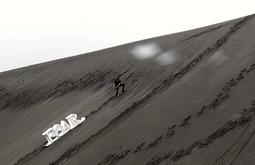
x,y
197,109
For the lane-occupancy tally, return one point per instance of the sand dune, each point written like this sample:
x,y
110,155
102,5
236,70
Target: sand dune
x,y
190,100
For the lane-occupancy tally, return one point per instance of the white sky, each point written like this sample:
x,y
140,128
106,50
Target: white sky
x,y
34,31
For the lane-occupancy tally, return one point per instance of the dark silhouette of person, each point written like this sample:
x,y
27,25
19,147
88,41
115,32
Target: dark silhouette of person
x,y
117,84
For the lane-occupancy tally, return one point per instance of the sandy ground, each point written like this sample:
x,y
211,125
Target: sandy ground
x,y
190,100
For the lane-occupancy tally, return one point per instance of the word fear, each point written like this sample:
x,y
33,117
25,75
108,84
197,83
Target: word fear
x,y
56,131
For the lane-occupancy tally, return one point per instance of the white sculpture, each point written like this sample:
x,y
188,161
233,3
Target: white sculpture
x,y
56,131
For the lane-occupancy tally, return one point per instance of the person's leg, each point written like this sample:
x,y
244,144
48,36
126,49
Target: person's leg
x,y
123,87
117,91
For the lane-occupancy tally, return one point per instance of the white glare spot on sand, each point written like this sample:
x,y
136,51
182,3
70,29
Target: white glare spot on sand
x,y
145,51
167,58
218,58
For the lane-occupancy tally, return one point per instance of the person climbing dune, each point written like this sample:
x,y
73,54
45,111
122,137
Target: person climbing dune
x,y
117,84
